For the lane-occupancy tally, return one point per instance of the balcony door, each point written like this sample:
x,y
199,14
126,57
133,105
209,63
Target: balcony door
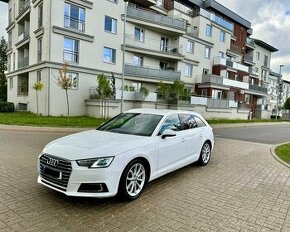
x,y
164,44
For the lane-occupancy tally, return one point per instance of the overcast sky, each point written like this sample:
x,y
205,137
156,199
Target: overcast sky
x,y
270,21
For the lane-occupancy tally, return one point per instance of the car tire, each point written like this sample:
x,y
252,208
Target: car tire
x,y
133,180
205,154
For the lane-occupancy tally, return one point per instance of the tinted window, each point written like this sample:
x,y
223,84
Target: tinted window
x,y
172,123
132,123
199,122
187,121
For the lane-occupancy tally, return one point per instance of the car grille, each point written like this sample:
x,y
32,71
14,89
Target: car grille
x,y
58,166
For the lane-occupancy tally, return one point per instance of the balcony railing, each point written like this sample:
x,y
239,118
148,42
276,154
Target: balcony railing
x,y
250,42
213,79
151,73
153,45
23,5
158,19
71,56
73,23
23,62
23,35
257,88
249,58
235,49
230,64
22,91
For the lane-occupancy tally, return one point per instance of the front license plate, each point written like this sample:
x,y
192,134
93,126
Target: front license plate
x,y
52,173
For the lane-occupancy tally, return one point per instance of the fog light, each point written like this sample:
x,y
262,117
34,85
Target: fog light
x,y
93,188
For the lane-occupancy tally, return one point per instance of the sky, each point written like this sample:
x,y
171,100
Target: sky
x,y
270,21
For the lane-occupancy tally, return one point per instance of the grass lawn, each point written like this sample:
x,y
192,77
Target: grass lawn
x,y
283,152
26,118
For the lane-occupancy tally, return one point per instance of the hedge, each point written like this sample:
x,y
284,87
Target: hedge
x,y
7,107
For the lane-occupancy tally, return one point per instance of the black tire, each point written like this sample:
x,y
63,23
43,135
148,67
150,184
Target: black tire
x,y
131,183
205,154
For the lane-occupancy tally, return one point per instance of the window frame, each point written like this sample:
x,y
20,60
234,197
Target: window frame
x,y
113,29
72,52
208,30
222,38
190,66
113,54
207,54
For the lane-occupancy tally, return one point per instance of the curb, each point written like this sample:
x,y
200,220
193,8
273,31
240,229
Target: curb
x,y
276,157
26,129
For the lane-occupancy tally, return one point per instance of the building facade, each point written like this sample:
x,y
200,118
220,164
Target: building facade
x,y
201,43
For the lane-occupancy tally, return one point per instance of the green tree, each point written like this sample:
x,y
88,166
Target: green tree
x,y
38,86
104,91
177,89
287,104
3,68
163,91
65,83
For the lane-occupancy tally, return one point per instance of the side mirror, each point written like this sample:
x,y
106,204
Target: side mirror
x,y
168,133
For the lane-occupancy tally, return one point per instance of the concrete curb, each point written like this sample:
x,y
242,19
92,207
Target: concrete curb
x,y
276,157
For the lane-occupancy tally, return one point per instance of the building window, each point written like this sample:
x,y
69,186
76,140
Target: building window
x,y
222,36
138,61
188,70
264,75
204,92
40,15
258,55
164,44
74,17
217,94
139,34
190,46
71,50
208,30
10,16
163,65
39,50
74,80
110,25
10,40
257,70
11,83
38,76
205,71
207,52
9,63
13,61
247,98
266,58
109,55
221,54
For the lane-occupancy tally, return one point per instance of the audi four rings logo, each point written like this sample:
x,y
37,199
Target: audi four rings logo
x,y
52,162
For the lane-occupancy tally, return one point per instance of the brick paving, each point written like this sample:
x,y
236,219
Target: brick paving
x,y
242,189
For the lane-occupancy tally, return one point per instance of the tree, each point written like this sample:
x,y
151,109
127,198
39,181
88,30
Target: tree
x,y
177,89
144,91
287,104
3,68
163,91
38,86
104,91
65,83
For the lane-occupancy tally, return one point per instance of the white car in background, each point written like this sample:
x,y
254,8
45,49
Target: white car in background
x,y
126,152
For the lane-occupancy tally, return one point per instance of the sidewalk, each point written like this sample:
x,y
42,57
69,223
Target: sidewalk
x,y
75,130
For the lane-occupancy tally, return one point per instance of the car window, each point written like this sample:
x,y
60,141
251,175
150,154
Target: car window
x,y
172,123
132,123
199,122
187,121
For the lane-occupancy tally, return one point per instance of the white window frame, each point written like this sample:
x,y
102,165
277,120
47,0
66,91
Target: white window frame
x,y
74,23
188,69
38,76
207,52
72,52
141,36
190,46
138,60
222,36
113,55
11,83
74,80
208,30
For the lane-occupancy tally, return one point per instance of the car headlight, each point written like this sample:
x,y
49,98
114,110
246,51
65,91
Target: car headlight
x,y
96,163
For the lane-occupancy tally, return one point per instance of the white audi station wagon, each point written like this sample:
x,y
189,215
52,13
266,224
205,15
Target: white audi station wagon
x,y
125,153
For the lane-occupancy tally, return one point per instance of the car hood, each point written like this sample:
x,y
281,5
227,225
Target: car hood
x,y
94,143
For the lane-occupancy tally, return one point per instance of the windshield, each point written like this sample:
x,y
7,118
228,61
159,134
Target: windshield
x,y
132,123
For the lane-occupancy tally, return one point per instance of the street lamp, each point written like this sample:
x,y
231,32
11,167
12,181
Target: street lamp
x,y
123,59
279,91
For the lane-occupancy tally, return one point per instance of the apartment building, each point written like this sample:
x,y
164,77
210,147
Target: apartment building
x,y
201,43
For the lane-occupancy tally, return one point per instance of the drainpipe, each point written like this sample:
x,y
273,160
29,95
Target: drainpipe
x,y
49,60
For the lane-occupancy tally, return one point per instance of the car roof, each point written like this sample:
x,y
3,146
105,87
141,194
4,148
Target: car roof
x,y
159,111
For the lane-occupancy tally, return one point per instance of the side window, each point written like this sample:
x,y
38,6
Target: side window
x,y
187,121
199,122
172,123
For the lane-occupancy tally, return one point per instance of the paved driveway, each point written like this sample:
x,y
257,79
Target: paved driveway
x,y
242,189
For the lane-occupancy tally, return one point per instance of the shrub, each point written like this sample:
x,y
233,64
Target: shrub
x,y
7,107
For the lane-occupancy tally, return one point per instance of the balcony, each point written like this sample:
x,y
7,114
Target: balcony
x,y
217,19
158,21
146,3
153,48
253,72
23,62
151,73
248,59
213,79
213,103
258,89
23,7
250,43
235,49
230,64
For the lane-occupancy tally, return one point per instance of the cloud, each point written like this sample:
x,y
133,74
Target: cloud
x,y
3,19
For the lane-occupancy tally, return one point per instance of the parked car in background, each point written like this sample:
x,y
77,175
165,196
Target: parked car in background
x,y
126,152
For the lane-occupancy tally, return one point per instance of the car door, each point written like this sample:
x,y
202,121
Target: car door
x,y
171,149
194,136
